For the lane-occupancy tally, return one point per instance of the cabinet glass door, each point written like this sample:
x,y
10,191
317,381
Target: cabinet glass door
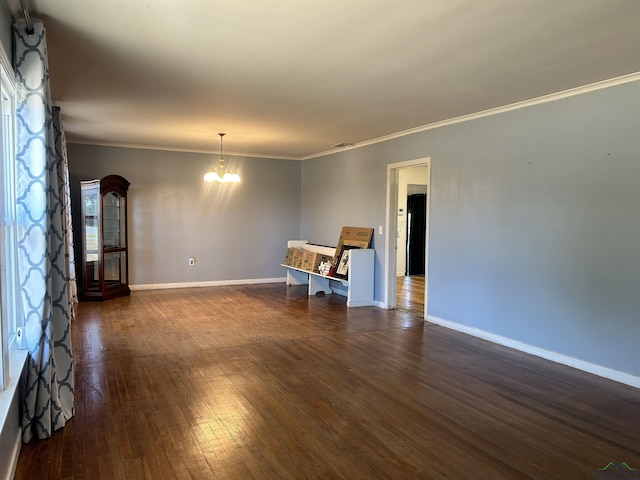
x,y
113,217
115,268
91,205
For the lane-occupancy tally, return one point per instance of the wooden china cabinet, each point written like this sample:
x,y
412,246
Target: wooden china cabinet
x,y
105,272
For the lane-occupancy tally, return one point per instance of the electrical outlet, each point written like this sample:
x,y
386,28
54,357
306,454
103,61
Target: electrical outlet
x,y
192,261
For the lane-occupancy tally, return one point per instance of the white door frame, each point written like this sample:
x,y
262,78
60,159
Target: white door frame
x,y
392,230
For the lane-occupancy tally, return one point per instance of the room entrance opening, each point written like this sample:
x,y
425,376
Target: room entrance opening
x,y
406,245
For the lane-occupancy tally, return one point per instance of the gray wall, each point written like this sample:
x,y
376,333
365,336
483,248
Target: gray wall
x,y
346,189
235,232
535,221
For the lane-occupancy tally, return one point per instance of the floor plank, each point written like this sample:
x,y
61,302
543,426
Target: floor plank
x,y
261,381
410,293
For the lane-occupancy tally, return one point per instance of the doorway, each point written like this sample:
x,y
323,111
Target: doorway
x,y
416,232
406,253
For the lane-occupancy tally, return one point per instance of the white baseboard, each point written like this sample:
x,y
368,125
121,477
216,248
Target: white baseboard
x,y
380,304
213,283
599,370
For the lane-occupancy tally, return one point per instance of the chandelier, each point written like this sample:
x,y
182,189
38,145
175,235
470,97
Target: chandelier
x,y
220,174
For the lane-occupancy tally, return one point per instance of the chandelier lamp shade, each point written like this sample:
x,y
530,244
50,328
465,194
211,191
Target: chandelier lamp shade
x,y
221,174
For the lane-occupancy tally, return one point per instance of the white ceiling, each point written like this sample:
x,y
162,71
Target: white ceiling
x,y
292,78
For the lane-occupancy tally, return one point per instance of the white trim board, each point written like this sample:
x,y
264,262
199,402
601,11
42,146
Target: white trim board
x,y
10,400
588,367
211,283
180,150
632,77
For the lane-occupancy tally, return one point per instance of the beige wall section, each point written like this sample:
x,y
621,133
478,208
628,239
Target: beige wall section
x,y
235,232
415,176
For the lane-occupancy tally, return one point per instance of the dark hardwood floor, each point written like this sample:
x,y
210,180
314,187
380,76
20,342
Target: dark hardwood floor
x,y
410,293
252,382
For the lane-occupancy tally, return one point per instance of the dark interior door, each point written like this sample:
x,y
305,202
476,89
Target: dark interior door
x,y
416,231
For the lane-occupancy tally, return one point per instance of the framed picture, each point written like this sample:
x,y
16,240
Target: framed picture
x,y
342,264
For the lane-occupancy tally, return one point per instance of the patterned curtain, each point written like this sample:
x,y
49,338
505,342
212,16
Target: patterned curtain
x,y
45,259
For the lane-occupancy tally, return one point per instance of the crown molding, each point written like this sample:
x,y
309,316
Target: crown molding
x,y
181,150
632,77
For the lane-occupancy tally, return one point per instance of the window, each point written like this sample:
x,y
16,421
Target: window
x,y
8,252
